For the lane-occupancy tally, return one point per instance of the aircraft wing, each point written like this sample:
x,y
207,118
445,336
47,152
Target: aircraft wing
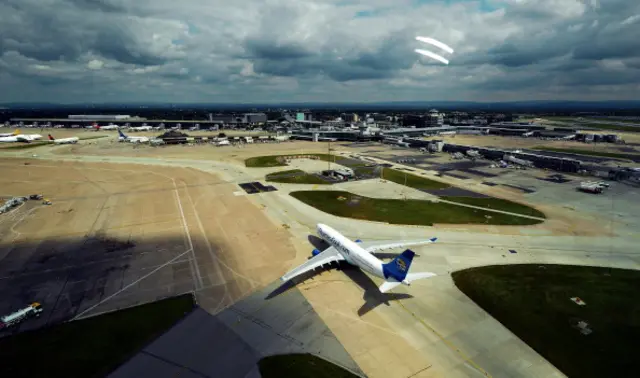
x,y
373,247
327,256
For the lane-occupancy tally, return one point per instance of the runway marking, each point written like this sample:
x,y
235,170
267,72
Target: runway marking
x,y
131,284
186,230
213,255
448,343
419,371
214,258
63,268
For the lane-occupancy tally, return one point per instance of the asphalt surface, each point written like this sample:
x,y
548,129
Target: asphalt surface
x,y
585,158
275,320
71,276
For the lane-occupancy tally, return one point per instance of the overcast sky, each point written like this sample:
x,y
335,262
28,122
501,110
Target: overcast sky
x,y
317,50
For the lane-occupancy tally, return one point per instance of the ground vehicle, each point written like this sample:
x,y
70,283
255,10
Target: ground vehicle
x,y
33,310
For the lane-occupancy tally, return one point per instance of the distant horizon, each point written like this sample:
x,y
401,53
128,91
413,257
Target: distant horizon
x,y
321,102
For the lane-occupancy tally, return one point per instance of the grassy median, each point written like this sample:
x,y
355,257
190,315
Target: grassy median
x,y
413,181
300,366
497,204
398,211
533,301
296,176
278,160
90,347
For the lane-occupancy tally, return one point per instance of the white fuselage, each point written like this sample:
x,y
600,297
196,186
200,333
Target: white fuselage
x,y
20,138
141,128
109,127
134,139
8,139
29,137
71,140
351,251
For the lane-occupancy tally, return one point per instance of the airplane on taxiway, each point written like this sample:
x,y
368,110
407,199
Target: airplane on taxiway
x,y
16,136
72,140
132,139
355,253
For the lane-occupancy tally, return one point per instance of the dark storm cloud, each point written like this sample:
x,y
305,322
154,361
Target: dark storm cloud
x,y
46,35
116,42
107,6
522,53
623,43
194,50
392,54
601,76
599,33
272,50
531,81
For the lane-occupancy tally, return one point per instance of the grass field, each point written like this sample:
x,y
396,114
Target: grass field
x,y
274,161
24,146
91,347
589,152
296,176
93,137
396,211
598,125
607,126
533,301
497,204
417,182
300,366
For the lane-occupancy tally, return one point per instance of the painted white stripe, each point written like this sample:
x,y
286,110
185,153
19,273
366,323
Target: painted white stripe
x,y
131,284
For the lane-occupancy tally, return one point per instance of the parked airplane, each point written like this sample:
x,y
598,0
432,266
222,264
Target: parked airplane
x,y
108,127
10,139
17,137
125,138
341,248
72,140
223,142
141,128
29,137
16,132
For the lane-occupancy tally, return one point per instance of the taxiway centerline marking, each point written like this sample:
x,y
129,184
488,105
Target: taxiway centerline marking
x,y
448,343
131,284
186,230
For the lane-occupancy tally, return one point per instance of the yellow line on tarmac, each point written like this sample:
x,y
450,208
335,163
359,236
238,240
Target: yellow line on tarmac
x,y
445,341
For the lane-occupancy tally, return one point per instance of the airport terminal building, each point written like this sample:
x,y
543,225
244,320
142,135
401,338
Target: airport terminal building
x,y
99,117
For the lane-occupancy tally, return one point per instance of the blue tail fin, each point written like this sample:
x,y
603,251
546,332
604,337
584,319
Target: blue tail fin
x,y
398,267
121,134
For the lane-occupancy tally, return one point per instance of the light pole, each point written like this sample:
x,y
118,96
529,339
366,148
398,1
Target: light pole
x,y
404,189
329,153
